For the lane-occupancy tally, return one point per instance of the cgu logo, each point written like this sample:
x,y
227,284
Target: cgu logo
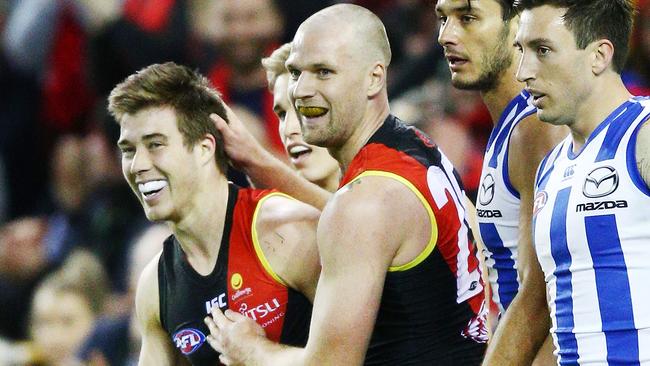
x,y
260,311
188,340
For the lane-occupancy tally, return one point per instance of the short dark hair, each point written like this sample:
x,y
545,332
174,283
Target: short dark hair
x,y
187,92
590,20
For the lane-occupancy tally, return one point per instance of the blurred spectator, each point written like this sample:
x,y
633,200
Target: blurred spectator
x,y
45,59
23,261
243,32
3,191
637,74
92,207
64,309
115,340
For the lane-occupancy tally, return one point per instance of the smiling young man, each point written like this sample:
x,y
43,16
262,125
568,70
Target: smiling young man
x,y
592,198
400,282
477,36
231,247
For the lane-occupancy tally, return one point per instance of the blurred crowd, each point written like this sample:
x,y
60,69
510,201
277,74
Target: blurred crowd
x,y
73,239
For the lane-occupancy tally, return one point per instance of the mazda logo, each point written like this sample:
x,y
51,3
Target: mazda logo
x,y
600,182
486,192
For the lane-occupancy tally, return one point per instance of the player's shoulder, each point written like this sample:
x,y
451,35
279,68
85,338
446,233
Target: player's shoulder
x,y
147,294
279,209
374,195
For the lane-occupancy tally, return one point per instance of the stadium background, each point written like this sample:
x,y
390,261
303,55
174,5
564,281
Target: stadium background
x,y
67,216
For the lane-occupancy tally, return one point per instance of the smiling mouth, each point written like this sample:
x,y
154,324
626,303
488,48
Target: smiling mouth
x,y
297,151
149,189
312,112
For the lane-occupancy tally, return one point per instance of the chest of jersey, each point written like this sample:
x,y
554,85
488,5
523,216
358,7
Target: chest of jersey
x,y
591,236
240,282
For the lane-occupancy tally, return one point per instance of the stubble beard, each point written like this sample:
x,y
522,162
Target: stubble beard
x,y
494,63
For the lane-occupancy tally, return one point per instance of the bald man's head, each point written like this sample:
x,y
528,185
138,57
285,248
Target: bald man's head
x,y
355,25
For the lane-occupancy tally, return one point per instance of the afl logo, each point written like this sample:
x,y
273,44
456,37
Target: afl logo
x,y
600,182
236,281
540,202
486,192
188,340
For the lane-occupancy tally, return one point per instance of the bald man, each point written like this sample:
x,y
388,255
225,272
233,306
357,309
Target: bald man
x,y
400,282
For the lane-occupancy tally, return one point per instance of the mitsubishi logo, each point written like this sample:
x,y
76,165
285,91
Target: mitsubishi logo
x,y
600,182
486,192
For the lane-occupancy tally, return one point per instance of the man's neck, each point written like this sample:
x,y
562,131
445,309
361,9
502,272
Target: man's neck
x,y
609,93
375,116
497,99
200,230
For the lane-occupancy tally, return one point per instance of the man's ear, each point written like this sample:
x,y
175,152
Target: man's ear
x,y
377,79
207,146
602,53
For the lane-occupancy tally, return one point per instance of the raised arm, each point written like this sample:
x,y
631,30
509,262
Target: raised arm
x,y
525,325
358,239
157,348
264,169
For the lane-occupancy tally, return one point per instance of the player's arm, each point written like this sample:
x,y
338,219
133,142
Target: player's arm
x,y
264,169
157,348
526,323
643,152
287,236
358,237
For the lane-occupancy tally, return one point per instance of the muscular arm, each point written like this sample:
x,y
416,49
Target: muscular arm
x,y
643,152
355,253
264,169
526,323
157,348
287,235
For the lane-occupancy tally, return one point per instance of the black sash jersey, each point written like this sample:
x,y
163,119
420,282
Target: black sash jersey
x,y
432,308
241,281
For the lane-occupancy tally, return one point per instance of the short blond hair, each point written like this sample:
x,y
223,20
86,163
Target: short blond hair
x,y
274,64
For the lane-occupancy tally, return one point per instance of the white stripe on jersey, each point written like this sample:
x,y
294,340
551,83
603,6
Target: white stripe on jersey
x,y
497,205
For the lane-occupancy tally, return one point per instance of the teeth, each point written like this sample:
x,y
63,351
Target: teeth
x,y
152,186
311,112
298,149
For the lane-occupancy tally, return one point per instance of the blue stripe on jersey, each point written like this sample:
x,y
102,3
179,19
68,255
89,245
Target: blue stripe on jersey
x,y
506,175
543,176
564,289
612,116
503,264
616,131
613,288
515,107
632,167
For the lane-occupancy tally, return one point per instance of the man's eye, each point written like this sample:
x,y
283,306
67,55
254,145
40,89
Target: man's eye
x,y
324,72
467,18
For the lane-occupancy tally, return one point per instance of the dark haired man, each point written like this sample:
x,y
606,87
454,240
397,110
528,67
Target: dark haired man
x,y
231,248
591,204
